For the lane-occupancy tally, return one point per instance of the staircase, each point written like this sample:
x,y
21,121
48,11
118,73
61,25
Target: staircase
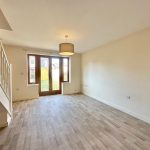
x,y
5,88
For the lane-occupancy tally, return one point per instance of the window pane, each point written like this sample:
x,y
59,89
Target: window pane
x,y
55,74
44,74
32,69
65,69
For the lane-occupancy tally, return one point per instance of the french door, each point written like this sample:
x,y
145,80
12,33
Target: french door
x,y
50,75
49,72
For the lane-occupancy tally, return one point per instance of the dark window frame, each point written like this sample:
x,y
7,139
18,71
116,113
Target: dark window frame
x,y
67,71
37,67
29,69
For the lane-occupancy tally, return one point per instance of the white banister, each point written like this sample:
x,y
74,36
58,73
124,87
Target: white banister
x,y
10,89
5,75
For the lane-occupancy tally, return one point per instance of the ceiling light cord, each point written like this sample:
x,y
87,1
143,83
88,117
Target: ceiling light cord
x,y
66,38
66,48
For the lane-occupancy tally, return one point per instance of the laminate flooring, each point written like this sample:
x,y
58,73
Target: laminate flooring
x,y
73,122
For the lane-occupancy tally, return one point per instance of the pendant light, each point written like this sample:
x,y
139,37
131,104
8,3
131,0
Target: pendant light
x,y
66,49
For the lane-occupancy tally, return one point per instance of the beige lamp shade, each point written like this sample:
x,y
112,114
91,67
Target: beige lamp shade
x,y
66,49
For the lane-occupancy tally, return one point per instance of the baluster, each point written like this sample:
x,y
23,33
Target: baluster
x,y
6,80
6,77
4,74
2,70
9,81
0,65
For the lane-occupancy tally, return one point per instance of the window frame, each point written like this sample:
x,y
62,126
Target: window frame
x,y
63,69
37,67
29,69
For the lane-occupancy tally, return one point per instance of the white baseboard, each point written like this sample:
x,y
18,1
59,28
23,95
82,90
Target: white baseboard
x,y
77,93
125,110
9,119
4,125
21,100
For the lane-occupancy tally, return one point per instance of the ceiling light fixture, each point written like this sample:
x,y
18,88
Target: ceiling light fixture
x,y
66,49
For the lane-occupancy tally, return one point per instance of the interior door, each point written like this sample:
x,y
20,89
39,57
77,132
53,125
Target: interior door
x,y
50,75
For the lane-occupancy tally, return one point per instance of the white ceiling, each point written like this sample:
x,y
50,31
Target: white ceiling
x,y
89,23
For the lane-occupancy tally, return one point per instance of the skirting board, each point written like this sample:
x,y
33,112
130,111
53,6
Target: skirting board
x,y
138,116
9,119
4,125
21,100
78,93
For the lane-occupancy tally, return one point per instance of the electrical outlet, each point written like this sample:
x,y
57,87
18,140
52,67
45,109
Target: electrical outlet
x,y
17,89
128,97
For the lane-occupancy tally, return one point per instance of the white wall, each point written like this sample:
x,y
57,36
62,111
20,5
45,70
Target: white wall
x,y
119,69
17,56
74,86
21,90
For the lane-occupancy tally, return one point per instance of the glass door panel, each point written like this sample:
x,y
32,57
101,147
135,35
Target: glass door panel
x,y
55,74
44,78
65,69
50,78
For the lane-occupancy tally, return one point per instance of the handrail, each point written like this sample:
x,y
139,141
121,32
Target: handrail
x,y
5,75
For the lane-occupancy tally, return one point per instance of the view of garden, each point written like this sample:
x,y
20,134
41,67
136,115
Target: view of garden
x,y
44,72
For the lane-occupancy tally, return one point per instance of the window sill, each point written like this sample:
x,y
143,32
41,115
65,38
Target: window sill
x,y
34,84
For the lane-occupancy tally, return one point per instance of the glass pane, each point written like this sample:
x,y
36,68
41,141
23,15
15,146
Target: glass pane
x,y
65,69
32,69
44,74
55,74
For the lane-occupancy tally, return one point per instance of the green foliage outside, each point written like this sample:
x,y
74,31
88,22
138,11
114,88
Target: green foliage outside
x,y
45,80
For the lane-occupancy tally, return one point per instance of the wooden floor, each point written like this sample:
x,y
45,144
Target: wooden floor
x,y
72,122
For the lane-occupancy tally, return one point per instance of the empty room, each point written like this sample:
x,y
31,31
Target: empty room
x,y
74,74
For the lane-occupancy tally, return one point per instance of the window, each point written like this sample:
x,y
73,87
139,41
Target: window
x,y
65,69
50,68
32,69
